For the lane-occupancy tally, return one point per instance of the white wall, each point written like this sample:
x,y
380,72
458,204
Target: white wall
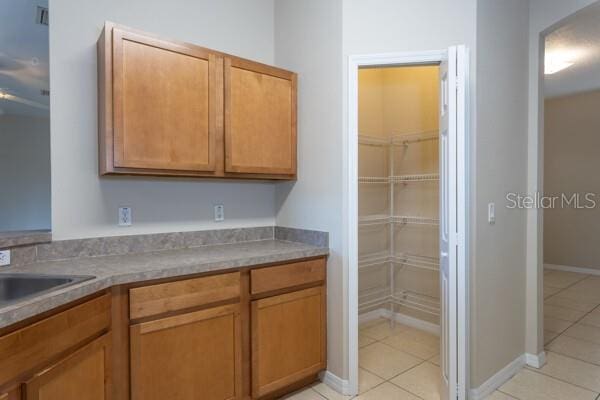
x,y
84,205
498,279
543,14
381,26
24,172
308,41
571,144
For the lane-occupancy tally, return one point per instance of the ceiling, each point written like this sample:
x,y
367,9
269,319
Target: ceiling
x,y
579,37
23,59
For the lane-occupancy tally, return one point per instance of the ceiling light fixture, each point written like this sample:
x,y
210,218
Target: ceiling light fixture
x,y
558,60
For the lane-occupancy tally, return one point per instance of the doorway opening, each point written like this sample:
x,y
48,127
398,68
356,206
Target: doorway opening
x,y
407,224
571,211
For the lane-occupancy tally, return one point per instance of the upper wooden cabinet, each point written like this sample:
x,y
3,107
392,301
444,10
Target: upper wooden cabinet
x,y
176,109
260,118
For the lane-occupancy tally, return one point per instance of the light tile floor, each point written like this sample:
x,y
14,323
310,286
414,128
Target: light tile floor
x,y
399,364
403,364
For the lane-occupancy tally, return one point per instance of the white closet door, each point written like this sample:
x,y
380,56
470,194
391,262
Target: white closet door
x,y
452,125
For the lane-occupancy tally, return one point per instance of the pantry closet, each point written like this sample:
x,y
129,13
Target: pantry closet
x,y
399,194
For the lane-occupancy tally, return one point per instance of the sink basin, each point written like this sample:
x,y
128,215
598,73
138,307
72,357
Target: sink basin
x,y
16,287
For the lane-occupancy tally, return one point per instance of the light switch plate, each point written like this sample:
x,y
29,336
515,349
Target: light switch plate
x,y
219,212
4,258
492,213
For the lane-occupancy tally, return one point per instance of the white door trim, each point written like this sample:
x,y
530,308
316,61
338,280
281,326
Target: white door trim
x,y
351,202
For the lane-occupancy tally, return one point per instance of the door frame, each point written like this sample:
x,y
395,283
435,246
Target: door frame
x,y
461,314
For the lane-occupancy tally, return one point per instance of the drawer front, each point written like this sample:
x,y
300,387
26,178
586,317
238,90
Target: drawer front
x,y
33,346
174,296
286,276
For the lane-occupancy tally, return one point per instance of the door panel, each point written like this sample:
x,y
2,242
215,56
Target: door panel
x,y
164,111
189,356
444,233
85,375
288,339
452,216
260,119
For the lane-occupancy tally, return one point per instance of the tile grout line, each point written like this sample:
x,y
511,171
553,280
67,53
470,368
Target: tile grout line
x,y
540,372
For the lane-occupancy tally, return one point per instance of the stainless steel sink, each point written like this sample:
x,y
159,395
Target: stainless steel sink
x,y
16,287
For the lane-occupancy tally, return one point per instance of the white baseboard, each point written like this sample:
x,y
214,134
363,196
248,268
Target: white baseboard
x,y
400,318
568,268
497,380
535,361
336,383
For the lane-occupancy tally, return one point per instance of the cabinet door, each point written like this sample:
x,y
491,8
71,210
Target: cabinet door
x,y
260,119
189,356
288,339
165,104
13,394
84,375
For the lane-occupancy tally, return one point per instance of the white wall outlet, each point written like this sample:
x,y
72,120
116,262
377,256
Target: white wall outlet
x,y
4,258
125,216
492,213
219,213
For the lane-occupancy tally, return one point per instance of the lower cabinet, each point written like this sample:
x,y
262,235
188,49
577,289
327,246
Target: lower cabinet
x,y
196,355
83,375
288,339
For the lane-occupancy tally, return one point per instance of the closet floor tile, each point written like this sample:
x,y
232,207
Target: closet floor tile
x,y
407,343
566,314
556,325
367,380
562,279
381,330
499,396
419,336
435,360
385,361
592,318
578,373
549,336
589,333
387,391
530,385
579,349
550,291
565,302
364,340
422,380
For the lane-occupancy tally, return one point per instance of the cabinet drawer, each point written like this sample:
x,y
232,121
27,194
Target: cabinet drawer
x,y
174,296
289,275
35,345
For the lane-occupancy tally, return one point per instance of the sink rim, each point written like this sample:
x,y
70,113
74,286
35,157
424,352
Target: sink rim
x,y
73,280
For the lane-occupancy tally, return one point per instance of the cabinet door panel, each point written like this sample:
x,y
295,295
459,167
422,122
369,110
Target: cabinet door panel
x,y
260,119
288,339
164,108
13,394
84,375
189,356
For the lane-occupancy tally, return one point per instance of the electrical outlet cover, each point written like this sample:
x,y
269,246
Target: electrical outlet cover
x,y
4,258
125,216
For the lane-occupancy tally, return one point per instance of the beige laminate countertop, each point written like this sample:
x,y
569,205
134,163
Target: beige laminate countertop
x,y
116,270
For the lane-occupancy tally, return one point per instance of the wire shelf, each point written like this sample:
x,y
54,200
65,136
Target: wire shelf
x,y
405,140
405,299
399,178
398,140
382,219
400,260
415,178
374,179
